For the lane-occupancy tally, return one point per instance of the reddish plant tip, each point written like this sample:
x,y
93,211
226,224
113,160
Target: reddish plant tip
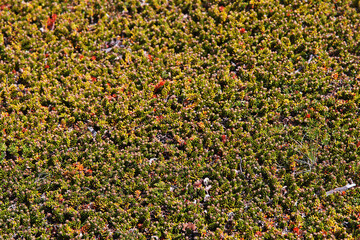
x,y
159,85
221,8
242,30
93,58
2,7
159,118
51,21
308,115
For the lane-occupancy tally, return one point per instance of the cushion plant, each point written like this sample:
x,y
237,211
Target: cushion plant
x,y
179,119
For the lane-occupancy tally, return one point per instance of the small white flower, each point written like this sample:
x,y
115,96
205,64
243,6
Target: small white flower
x,y
118,57
207,197
206,181
152,160
231,215
143,3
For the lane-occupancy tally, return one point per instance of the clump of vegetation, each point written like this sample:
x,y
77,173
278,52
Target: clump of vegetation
x,y
178,119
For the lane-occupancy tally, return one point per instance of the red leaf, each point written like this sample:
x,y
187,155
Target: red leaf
x,y
51,21
358,144
158,86
159,118
2,7
242,30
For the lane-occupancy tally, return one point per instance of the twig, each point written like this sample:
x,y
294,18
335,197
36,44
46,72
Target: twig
x,y
299,69
116,44
308,62
93,132
341,189
311,57
241,171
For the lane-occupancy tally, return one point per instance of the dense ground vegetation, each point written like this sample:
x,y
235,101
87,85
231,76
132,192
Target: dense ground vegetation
x,y
174,119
